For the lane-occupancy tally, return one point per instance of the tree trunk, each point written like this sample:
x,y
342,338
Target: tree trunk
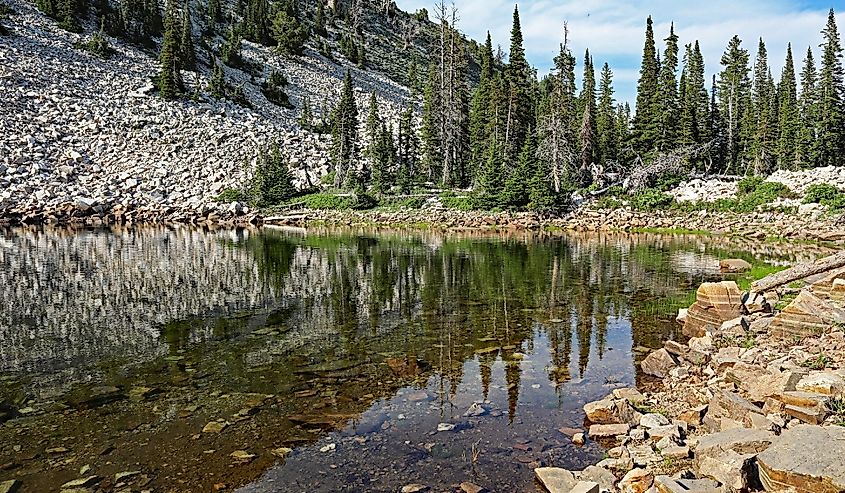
x,y
801,271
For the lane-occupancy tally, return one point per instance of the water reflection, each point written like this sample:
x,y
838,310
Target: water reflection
x,y
359,339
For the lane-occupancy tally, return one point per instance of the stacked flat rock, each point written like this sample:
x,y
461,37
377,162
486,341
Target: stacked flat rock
x,y
716,303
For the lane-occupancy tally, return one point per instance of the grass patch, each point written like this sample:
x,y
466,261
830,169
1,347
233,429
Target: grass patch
x,y
757,272
671,231
819,362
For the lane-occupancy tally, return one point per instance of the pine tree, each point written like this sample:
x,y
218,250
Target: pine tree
x,y
383,155
734,97
153,21
217,84
320,19
587,130
374,125
170,77
256,24
667,94
608,139
487,193
407,149
788,117
289,33
831,93
187,56
518,74
273,182
215,14
413,78
646,123
809,114
761,153
480,108
345,136
715,126
430,132
306,117
516,188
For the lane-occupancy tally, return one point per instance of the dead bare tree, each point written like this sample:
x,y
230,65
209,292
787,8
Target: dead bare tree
x,y
675,162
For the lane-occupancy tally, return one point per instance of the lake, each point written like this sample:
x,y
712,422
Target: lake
x,y
326,360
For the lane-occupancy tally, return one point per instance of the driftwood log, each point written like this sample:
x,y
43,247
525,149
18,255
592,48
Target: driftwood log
x,y
799,272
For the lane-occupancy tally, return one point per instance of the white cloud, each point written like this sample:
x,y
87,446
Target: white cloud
x,y
613,30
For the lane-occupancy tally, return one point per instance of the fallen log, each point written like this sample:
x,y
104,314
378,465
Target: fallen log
x,y
801,271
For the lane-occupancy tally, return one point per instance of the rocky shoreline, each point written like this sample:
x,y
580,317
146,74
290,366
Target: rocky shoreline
x,y
754,400
759,225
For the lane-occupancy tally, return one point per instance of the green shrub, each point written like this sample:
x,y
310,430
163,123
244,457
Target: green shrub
x,y
274,90
822,193
97,45
327,201
651,199
748,185
451,201
328,179
232,195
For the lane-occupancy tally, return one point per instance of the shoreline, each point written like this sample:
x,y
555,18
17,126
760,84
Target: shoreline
x,y
758,225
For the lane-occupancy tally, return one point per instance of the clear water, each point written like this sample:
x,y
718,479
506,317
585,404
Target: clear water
x,y
350,347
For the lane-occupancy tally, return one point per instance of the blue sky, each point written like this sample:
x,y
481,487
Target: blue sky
x,y
613,30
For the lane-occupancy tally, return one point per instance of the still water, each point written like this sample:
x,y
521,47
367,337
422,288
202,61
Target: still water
x,y
183,359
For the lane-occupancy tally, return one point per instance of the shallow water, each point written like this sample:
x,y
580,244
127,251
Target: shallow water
x,y
350,347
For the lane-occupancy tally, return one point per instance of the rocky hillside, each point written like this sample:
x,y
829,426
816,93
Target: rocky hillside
x,y
81,131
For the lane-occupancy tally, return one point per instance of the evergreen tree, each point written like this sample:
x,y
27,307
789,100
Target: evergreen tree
x,y
407,149
487,193
608,139
480,109
230,52
306,117
520,106
374,125
809,113
516,188
646,123
587,111
273,182
788,117
345,136
667,94
831,94
188,57
320,19
217,84
170,78
761,152
734,97
715,126
215,14
414,79
430,131
383,155
153,22
288,32
256,23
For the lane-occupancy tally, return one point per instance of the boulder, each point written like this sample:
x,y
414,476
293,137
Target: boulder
x,y
586,487
596,474
755,303
760,383
716,303
665,484
728,406
636,481
734,265
608,431
659,363
733,470
806,316
653,420
737,327
555,479
822,382
806,459
629,394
